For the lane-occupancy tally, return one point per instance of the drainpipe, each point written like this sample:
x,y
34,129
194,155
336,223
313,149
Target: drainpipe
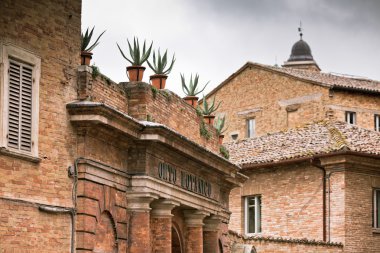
x,y
317,163
72,172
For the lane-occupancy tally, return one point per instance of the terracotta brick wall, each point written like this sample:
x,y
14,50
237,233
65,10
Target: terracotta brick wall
x,y
291,202
165,107
336,208
51,30
142,102
106,91
23,228
365,107
360,236
256,93
278,102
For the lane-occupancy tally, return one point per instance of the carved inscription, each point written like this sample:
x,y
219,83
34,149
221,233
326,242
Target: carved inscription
x,y
188,181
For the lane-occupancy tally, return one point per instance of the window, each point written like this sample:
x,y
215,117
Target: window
x,y
19,100
376,208
351,118
377,122
250,124
252,214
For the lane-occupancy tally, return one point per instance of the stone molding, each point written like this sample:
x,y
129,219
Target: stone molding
x,y
162,208
140,201
212,223
165,190
194,218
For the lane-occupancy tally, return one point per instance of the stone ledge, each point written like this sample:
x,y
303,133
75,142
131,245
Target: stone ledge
x,y
30,158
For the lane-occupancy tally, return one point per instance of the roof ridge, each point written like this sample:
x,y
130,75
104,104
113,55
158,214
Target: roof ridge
x,y
336,135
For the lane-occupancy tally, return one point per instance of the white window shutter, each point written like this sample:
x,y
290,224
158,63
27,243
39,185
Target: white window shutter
x,y
20,106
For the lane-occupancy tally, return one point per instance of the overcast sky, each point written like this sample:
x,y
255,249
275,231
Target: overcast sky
x,y
216,37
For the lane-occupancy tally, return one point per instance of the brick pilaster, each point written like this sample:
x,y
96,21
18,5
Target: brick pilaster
x,y
138,205
194,230
210,234
161,223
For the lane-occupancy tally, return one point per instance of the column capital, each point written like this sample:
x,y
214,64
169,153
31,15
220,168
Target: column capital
x,y
212,222
163,207
194,218
140,201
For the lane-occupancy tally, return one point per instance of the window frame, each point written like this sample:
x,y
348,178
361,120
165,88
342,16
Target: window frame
x,y
257,215
376,213
354,118
247,126
9,52
377,122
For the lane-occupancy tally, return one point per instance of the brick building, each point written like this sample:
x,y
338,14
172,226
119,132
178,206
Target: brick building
x,y
309,143
299,94
311,189
82,168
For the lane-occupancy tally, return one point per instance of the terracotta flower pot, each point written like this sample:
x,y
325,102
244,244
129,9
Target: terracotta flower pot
x,y
209,119
158,81
191,100
85,58
221,136
135,73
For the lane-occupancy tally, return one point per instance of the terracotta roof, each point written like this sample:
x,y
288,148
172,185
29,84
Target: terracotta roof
x,y
313,139
319,78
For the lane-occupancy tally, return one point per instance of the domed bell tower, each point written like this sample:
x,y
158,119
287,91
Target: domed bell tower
x,y
301,57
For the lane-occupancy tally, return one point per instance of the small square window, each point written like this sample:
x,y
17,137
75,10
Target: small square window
x,y
252,214
250,128
377,122
351,118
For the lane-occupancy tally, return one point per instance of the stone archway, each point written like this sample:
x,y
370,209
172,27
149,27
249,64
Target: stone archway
x,y
105,235
176,240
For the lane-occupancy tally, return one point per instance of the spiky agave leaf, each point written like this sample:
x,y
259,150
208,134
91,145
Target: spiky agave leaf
x,y
86,38
219,124
95,43
145,55
208,109
171,66
191,89
184,86
122,53
159,64
137,58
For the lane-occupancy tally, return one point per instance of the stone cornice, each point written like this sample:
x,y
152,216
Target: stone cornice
x,y
86,113
147,184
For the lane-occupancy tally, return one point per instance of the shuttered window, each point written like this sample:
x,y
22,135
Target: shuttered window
x,y
20,106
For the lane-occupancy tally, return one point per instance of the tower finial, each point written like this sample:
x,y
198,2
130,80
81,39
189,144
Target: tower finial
x,y
300,30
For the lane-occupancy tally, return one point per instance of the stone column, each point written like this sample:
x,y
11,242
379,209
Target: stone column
x,y
161,222
210,234
139,229
194,230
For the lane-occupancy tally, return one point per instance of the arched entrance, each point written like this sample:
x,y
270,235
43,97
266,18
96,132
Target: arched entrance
x,y
176,241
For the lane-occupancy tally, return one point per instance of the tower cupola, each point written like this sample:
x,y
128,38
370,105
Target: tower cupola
x,y
301,57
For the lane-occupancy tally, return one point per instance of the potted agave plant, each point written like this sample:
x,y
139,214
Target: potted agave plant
x,y
219,126
208,109
136,71
158,66
192,90
86,54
